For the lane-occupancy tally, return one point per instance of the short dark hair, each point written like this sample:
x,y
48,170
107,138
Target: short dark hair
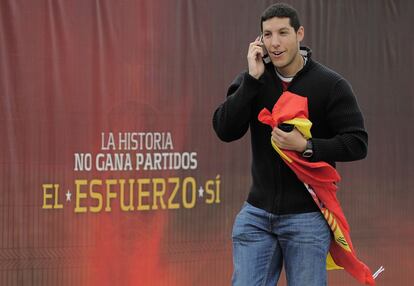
x,y
281,10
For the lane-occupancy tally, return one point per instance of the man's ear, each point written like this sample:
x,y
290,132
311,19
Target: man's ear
x,y
300,34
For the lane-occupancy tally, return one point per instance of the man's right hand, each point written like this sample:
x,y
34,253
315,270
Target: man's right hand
x,y
254,58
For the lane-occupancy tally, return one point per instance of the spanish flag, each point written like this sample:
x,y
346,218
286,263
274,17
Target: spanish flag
x,y
320,179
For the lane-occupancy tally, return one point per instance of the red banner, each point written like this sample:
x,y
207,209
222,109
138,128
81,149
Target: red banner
x,y
110,172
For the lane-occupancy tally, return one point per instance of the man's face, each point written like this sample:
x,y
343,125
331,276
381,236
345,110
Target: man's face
x,y
282,43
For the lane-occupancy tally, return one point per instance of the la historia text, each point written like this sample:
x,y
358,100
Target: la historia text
x,y
153,151
135,141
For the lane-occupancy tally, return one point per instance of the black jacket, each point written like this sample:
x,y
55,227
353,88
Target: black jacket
x,y
338,130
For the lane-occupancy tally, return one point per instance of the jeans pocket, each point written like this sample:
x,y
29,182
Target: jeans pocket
x,y
249,224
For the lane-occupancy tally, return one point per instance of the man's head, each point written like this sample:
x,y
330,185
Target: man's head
x,y
282,34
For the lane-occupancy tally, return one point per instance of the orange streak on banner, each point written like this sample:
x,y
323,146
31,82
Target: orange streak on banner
x,y
128,257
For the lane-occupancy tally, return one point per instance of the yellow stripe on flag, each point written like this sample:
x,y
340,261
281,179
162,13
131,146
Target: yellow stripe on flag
x,y
330,263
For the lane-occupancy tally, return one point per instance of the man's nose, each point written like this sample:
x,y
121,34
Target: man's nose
x,y
275,41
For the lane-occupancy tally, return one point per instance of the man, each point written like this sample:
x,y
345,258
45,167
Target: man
x,y
280,223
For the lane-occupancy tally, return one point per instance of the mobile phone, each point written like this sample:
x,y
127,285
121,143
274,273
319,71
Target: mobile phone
x,y
266,58
286,127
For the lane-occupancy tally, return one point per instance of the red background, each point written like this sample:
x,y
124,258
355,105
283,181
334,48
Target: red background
x,y
70,70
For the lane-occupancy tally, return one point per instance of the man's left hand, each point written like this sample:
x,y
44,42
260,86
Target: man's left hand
x,y
293,140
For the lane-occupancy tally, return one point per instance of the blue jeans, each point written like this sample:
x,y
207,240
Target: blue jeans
x,y
262,242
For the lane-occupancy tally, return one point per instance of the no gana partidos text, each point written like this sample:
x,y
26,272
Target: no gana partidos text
x,y
111,160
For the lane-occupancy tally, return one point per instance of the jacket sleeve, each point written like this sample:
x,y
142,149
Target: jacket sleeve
x,y
345,120
231,119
